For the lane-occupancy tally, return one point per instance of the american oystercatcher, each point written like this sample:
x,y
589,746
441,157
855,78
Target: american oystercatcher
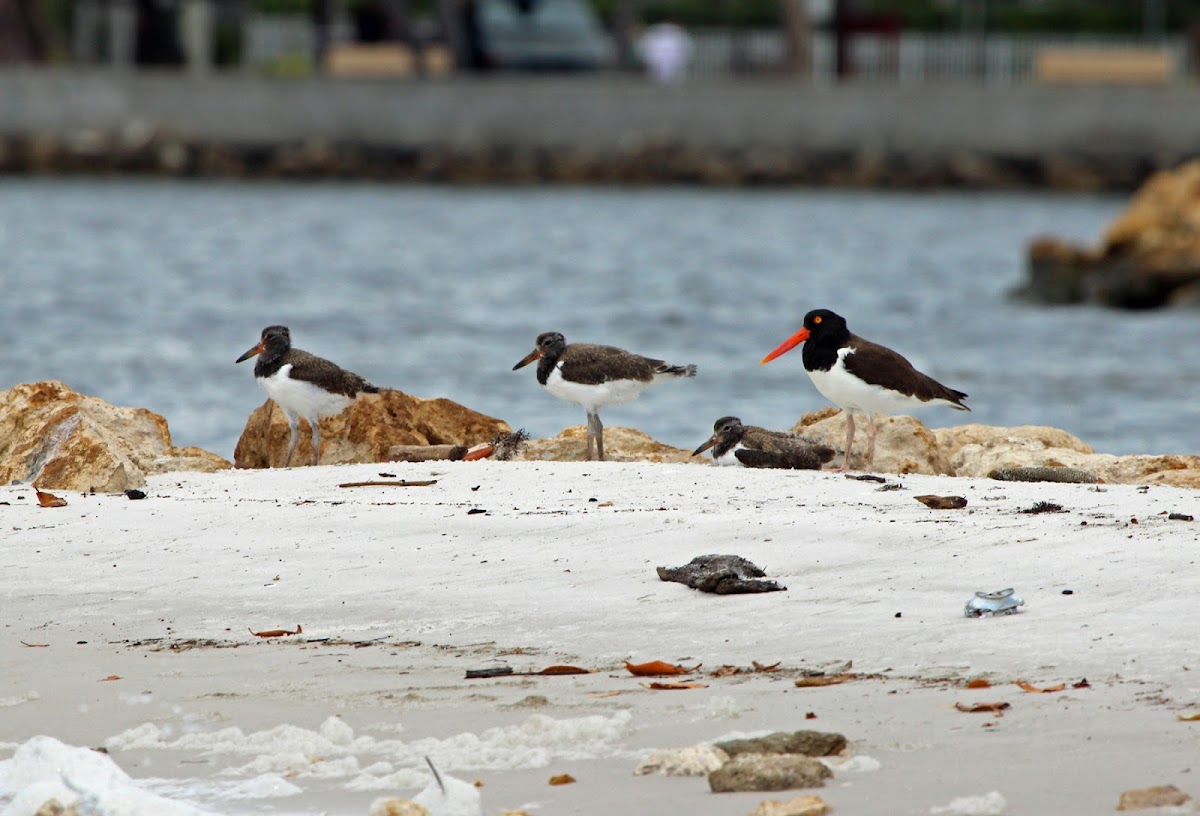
x,y
302,384
594,376
736,444
858,375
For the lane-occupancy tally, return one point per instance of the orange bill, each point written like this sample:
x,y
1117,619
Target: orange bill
x,y
786,346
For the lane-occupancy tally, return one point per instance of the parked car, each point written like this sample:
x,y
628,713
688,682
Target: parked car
x,y
542,35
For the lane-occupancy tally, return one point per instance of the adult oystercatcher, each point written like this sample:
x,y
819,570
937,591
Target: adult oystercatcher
x,y
858,375
594,376
736,444
303,384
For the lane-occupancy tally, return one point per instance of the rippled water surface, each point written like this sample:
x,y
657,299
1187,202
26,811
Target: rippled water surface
x,y
144,293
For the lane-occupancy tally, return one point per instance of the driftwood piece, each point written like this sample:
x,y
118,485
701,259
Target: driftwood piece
x,y
721,574
1044,474
397,483
426,453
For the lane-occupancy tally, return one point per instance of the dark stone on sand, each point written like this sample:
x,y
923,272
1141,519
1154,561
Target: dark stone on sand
x,y
806,743
721,574
1044,474
768,772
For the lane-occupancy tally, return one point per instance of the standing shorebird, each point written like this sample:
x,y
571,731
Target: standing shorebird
x,y
858,375
594,376
741,445
302,384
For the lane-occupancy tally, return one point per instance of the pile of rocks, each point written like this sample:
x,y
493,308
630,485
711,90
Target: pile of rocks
x,y
53,437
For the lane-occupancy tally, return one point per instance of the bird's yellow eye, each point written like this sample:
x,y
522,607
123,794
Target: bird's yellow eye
x,y
817,319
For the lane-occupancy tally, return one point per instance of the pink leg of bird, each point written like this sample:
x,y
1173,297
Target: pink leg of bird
x,y
870,440
849,440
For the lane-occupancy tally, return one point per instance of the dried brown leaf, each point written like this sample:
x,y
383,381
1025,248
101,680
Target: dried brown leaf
x,y
726,671
762,667
35,645
942,502
49,499
479,452
562,779
658,668
822,680
1035,690
1192,717
269,633
691,684
110,678
978,683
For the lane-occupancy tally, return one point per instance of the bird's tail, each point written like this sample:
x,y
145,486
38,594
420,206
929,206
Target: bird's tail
x,y
676,370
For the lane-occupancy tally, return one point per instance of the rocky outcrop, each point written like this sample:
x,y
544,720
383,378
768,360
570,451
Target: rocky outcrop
x,y
902,444
978,450
365,431
1148,257
620,445
54,437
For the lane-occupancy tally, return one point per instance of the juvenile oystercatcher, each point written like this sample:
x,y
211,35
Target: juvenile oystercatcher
x,y
858,375
594,376
736,444
302,384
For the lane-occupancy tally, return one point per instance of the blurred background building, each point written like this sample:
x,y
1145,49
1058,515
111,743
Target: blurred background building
x,y
827,40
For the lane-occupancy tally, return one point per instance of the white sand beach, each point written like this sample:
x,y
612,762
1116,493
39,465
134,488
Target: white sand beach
x,y
126,626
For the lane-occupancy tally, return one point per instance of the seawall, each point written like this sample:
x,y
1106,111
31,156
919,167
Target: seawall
x,y
594,128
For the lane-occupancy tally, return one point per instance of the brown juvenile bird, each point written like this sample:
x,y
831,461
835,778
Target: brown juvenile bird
x,y
594,376
741,445
302,384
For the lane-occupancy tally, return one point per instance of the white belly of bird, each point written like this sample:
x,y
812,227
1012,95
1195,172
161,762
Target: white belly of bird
x,y
730,458
592,397
300,398
853,394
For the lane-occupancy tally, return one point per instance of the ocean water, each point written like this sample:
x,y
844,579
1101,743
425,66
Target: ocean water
x,y
144,293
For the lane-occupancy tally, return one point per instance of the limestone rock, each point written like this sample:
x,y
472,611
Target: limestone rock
x,y
800,806
55,437
805,743
951,440
1156,797
694,760
620,445
1039,448
768,772
365,431
902,443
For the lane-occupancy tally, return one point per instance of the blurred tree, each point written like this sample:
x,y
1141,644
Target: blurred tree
x,y
24,34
